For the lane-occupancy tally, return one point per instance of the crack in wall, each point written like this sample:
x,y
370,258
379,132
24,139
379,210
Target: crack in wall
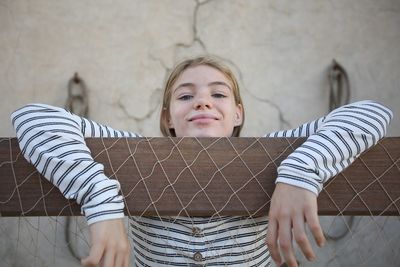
x,y
163,65
141,120
196,37
133,117
283,122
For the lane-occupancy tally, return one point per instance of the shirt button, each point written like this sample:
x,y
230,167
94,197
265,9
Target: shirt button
x,y
197,256
196,231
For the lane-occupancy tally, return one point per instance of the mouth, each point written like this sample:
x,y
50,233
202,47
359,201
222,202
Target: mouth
x,y
203,118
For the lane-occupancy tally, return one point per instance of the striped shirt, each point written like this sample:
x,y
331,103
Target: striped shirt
x,y
52,139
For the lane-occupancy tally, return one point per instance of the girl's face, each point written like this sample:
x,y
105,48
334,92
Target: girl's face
x,y
203,104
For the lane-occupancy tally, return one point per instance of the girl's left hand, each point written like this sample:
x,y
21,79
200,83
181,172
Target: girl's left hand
x,y
291,209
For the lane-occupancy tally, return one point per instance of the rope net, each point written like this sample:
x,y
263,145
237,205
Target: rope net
x,y
185,181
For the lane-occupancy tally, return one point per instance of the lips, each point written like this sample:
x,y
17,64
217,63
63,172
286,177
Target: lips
x,y
202,117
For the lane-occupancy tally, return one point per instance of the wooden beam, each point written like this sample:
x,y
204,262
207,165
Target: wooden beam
x,y
203,177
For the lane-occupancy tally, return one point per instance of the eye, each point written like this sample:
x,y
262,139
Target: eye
x,y
217,95
185,97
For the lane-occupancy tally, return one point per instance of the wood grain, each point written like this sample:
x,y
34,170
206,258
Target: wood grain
x,y
203,177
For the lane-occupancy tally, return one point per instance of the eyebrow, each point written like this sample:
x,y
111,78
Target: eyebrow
x,y
210,84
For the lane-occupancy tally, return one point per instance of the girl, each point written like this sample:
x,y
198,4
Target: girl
x,y
201,99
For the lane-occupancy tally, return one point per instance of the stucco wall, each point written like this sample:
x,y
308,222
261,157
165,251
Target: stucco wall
x,y
280,50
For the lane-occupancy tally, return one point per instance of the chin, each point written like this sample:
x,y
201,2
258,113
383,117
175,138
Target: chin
x,y
208,135
205,133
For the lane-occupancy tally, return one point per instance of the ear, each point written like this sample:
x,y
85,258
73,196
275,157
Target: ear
x,y
238,115
170,124
167,118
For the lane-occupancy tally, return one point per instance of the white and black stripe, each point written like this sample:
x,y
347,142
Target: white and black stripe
x,y
231,241
52,139
334,144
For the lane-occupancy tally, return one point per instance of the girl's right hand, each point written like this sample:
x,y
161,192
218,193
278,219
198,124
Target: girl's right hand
x,y
109,245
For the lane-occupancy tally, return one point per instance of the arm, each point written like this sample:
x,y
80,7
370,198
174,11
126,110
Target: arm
x,y
52,139
334,142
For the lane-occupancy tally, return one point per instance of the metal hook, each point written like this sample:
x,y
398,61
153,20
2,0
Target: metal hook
x,y
77,101
339,86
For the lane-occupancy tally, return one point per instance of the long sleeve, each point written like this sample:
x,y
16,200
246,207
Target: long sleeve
x,y
52,139
333,143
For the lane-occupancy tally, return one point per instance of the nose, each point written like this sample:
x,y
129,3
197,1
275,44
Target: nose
x,y
203,102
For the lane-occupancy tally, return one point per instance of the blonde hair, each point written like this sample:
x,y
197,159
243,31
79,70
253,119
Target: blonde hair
x,y
207,60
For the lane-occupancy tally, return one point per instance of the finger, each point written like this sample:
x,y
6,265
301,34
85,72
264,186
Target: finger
x,y
285,242
272,242
315,227
126,261
95,255
299,233
109,259
121,258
